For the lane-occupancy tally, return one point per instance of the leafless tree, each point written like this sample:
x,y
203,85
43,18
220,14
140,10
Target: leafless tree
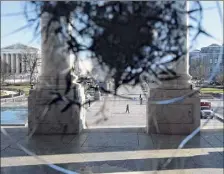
x,y
31,61
4,74
220,78
197,69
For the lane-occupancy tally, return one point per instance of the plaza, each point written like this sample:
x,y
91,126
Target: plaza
x,y
116,145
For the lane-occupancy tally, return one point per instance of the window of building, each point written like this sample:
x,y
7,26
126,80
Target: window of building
x,y
216,60
210,60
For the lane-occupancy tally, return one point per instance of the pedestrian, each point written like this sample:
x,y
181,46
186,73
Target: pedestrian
x,y
89,102
140,96
127,108
140,101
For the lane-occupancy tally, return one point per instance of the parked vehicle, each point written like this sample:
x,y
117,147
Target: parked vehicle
x,y
206,112
206,104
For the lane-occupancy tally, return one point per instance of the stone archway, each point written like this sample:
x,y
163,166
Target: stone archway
x,y
177,118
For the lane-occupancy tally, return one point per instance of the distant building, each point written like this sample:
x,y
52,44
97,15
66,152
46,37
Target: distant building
x,y
203,62
15,59
17,63
210,56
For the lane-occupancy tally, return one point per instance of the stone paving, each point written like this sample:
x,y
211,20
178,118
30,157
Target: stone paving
x,y
113,114
113,149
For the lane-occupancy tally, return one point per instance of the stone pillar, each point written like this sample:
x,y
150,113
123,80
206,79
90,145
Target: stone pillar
x,y
55,57
17,64
25,62
7,63
55,61
22,64
179,117
2,63
12,64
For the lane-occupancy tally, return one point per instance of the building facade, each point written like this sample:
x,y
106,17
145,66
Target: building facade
x,y
18,59
203,62
210,56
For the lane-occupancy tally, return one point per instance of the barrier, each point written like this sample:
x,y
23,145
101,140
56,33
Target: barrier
x,y
19,93
15,99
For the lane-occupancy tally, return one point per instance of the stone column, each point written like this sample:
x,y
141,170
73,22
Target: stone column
x,y
17,64
7,63
54,67
12,64
25,62
179,117
22,64
55,57
2,63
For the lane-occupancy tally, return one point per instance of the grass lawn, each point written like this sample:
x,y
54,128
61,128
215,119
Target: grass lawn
x,y
3,93
25,88
211,90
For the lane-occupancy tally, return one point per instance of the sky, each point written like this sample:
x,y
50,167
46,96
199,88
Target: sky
x,y
211,23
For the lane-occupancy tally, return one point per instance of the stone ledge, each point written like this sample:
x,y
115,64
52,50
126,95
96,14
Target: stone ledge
x,y
50,128
170,93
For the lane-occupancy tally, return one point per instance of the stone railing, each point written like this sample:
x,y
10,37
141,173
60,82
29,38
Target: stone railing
x,y
18,96
15,99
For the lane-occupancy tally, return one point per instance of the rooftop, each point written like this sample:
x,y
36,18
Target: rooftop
x,y
215,45
19,46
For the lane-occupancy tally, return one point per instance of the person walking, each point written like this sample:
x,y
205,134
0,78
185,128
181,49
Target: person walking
x,y
89,102
127,108
140,101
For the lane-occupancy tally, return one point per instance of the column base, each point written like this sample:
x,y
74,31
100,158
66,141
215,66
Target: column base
x,y
179,118
72,121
